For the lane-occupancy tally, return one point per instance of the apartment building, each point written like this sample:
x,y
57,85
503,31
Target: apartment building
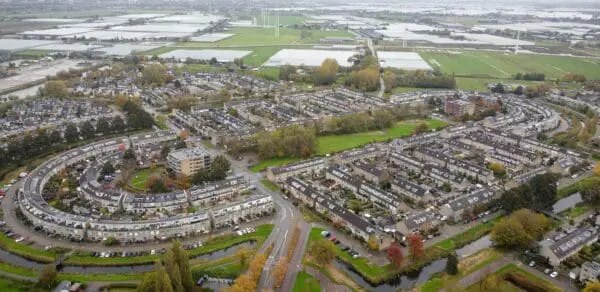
x,y
189,161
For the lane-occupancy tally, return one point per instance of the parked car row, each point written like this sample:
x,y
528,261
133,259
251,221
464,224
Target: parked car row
x,y
239,231
193,245
326,234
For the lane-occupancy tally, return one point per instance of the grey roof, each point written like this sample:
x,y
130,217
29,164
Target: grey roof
x,y
480,197
416,221
298,165
574,241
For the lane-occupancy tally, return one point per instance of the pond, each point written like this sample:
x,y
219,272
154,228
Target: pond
x,y
403,282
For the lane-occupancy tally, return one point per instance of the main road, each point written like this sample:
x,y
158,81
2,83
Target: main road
x,y
286,219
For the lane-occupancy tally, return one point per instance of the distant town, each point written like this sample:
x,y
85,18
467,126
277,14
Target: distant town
x,y
257,146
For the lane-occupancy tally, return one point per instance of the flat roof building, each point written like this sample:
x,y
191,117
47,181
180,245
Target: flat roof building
x,y
189,161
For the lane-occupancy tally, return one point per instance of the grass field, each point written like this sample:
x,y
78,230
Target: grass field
x,y
336,143
507,286
505,65
575,212
9,285
469,235
26,251
271,186
586,183
264,164
139,178
306,283
217,243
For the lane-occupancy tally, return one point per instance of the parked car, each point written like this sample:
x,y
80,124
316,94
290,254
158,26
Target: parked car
x,y
532,264
554,274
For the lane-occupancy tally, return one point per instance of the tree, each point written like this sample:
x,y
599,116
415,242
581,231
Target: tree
x,y
243,283
87,130
446,187
103,126
366,79
201,176
107,168
452,264
71,133
517,198
256,265
173,270
55,88
224,94
286,72
243,254
597,169
155,74
219,168
239,62
118,125
498,169
415,246
325,74
498,88
421,128
544,190
47,277
510,234
279,271
323,251
156,185
148,283
592,287
394,255
162,281
164,152
389,78
534,224
373,243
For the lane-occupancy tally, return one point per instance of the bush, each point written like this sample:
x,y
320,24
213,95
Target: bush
x,y
523,282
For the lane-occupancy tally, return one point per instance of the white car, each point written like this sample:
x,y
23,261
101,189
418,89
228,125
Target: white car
x,y
532,264
239,232
153,252
554,274
20,239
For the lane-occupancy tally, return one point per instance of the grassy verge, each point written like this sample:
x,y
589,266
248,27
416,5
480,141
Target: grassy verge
x,y
468,236
271,186
10,285
575,212
586,183
306,283
26,251
512,268
217,243
264,164
9,268
84,278
466,266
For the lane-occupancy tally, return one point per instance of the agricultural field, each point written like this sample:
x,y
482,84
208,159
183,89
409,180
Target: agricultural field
x,y
505,65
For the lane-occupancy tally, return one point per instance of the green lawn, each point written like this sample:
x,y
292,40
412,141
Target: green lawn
x,y
337,143
469,235
269,185
217,243
264,164
306,283
586,183
575,212
507,286
505,65
26,251
139,178
9,285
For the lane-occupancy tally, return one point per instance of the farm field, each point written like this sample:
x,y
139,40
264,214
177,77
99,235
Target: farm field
x,y
505,65
258,36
